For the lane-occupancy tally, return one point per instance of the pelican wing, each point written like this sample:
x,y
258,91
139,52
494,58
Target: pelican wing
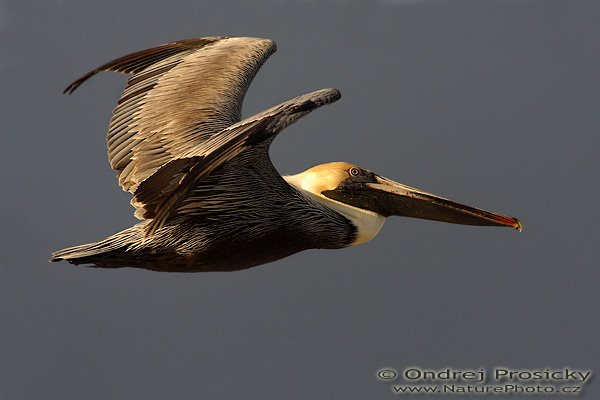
x,y
180,95
158,196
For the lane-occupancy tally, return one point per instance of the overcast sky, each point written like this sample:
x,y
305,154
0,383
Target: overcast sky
x,y
491,103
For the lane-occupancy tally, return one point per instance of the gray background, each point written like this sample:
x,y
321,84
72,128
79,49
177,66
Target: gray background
x,y
493,103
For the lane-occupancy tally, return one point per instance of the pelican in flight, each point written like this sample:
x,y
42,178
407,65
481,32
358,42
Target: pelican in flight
x,y
203,186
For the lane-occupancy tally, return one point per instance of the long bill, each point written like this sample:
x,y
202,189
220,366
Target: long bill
x,y
394,198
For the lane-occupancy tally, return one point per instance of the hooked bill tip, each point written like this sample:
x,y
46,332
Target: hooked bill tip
x,y
518,225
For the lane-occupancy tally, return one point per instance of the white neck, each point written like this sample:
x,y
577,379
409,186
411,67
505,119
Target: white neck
x,y
367,223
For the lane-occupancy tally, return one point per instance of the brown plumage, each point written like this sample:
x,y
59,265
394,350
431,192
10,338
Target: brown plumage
x,y
201,179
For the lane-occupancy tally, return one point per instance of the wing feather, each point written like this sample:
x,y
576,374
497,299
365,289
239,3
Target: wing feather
x,y
135,62
158,196
180,95
178,119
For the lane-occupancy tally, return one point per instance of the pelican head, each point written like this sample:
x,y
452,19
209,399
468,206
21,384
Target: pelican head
x,y
366,198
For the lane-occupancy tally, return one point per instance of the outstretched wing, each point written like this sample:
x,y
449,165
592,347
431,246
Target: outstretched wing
x,y
159,196
180,95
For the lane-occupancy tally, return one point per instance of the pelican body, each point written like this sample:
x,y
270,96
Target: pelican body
x,y
203,186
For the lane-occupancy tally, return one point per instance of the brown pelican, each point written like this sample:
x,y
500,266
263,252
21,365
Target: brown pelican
x,y
203,185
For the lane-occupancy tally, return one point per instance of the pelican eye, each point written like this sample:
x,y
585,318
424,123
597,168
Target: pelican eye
x,y
354,171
